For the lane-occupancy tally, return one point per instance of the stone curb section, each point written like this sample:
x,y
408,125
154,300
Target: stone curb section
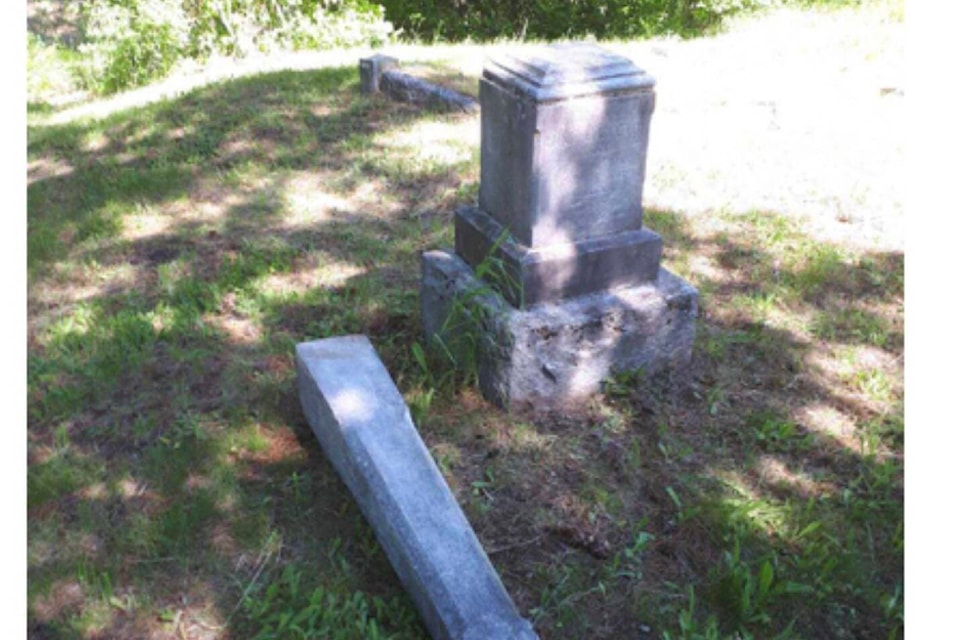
x,y
365,428
380,74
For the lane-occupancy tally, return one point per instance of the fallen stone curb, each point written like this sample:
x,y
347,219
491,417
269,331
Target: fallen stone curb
x,y
365,428
380,74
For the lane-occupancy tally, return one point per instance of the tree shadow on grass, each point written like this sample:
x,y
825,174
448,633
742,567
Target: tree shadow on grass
x,y
84,178
171,476
186,475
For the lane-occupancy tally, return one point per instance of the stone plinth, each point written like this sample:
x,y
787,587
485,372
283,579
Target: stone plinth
x,y
405,88
556,354
380,74
526,276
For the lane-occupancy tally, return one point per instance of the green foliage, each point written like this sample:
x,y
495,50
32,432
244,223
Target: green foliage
x,y
827,3
48,71
742,591
285,609
468,326
128,43
233,26
554,19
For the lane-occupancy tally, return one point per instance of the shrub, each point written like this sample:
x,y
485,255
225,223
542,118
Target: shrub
x,y
239,26
554,19
127,43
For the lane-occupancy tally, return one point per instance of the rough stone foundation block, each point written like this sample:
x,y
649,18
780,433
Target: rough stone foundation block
x,y
365,429
526,276
556,354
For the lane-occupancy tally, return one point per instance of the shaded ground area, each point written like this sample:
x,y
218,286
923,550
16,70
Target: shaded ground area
x,y
178,251
170,276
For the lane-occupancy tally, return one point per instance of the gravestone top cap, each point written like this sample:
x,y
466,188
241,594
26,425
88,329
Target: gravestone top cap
x,y
567,70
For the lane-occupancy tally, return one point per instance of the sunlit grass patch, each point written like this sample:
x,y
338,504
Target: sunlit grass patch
x,y
875,384
853,324
428,146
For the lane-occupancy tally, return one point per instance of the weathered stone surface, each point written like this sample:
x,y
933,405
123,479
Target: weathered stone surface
x,y
530,276
566,70
406,88
564,135
556,354
380,74
366,430
371,70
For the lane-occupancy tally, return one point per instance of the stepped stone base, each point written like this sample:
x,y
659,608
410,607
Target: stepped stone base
x,y
528,276
552,355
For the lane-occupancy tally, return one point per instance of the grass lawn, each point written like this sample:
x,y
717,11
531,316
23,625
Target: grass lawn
x,y
178,251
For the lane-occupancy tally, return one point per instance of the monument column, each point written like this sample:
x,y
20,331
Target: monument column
x,y
557,236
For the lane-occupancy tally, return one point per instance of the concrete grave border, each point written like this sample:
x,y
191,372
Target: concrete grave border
x,y
365,428
380,74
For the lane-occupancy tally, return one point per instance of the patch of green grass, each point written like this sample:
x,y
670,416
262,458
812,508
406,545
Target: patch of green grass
x,y
769,228
775,557
674,228
772,432
887,428
853,325
556,608
60,475
815,269
289,608
875,384
743,592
